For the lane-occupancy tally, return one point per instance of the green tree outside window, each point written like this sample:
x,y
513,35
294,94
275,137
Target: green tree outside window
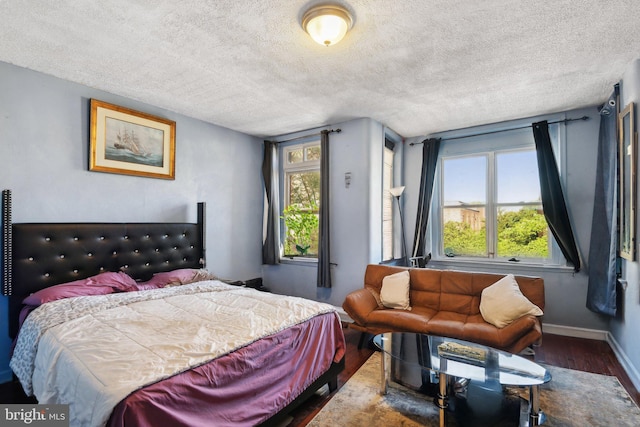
x,y
301,215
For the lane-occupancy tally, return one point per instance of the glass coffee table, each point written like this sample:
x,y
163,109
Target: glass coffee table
x,y
450,358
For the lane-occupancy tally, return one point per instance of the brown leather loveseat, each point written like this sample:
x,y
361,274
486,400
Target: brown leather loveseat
x,y
448,303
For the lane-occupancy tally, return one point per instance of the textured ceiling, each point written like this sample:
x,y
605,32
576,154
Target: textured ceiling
x,y
417,66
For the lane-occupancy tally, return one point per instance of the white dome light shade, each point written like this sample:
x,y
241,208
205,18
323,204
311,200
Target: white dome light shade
x,y
328,24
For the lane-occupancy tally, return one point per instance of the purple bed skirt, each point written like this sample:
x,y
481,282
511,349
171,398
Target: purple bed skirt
x,y
243,388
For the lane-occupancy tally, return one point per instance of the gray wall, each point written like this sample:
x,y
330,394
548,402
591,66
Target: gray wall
x,y
44,134
624,327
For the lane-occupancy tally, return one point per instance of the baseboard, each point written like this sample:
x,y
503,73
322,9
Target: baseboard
x,y
571,331
633,373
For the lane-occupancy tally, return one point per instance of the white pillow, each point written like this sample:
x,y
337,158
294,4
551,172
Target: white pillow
x,y
395,291
503,302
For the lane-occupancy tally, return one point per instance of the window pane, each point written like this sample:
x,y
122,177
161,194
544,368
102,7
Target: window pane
x,y
522,232
294,156
518,180
464,232
465,194
304,189
387,205
387,239
301,214
465,180
301,232
313,153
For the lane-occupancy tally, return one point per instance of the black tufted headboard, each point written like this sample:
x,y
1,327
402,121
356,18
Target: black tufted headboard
x,y
47,254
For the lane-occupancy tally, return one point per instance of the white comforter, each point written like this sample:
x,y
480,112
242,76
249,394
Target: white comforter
x,y
91,352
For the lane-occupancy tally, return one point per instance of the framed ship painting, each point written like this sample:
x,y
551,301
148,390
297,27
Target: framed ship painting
x,y
129,142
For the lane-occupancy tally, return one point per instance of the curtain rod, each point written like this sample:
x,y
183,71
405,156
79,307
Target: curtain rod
x,y
307,136
502,130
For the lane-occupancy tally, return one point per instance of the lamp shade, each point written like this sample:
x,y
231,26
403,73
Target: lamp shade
x,y
396,191
327,24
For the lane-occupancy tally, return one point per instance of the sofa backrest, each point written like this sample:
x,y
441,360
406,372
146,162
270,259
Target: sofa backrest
x,y
451,290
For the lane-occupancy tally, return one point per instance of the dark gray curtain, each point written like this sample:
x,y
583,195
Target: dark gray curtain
x,y
324,241
601,294
553,202
430,150
271,220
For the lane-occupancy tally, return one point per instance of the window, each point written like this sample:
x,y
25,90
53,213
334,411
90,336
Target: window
x,y
488,204
387,205
301,180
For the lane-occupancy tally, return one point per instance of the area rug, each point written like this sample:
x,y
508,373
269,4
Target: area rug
x,y
572,398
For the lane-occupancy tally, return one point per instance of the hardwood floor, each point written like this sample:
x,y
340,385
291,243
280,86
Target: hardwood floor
x,y
584,355
566,352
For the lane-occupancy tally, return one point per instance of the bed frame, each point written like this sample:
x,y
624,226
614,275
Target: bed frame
x,y
40,255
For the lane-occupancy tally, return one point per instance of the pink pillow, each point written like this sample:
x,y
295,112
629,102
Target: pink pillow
x,y
181,276
146,286
101,284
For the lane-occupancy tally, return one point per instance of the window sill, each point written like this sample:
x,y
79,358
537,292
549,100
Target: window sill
x,y
309,262
498,266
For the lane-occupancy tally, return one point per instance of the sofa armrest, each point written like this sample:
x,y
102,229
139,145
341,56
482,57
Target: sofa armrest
x,y
359,304
513,335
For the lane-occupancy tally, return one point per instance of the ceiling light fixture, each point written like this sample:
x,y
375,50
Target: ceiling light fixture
x,y
327,24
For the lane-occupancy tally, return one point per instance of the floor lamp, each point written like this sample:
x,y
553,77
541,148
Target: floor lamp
x,y
397,192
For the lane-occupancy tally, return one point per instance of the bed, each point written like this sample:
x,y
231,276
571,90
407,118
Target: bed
x,y
94,352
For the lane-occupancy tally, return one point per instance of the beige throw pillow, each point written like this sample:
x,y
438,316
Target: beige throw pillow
x,y
503,302
395,291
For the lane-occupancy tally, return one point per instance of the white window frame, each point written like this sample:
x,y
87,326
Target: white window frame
x,y
288,169
491,206
388,217
510,141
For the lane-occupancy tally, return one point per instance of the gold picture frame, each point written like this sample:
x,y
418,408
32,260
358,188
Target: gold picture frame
x,y
627,198
129,142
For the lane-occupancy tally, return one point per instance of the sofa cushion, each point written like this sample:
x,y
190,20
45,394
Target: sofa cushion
x,y
395,291
456,291
447,324
477,330
400,320
503,302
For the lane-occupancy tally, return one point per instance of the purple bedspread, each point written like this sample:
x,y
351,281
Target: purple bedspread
x,y
243,388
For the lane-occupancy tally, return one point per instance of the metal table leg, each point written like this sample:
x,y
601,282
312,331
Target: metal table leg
x,y
385,364
441,400
536,416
